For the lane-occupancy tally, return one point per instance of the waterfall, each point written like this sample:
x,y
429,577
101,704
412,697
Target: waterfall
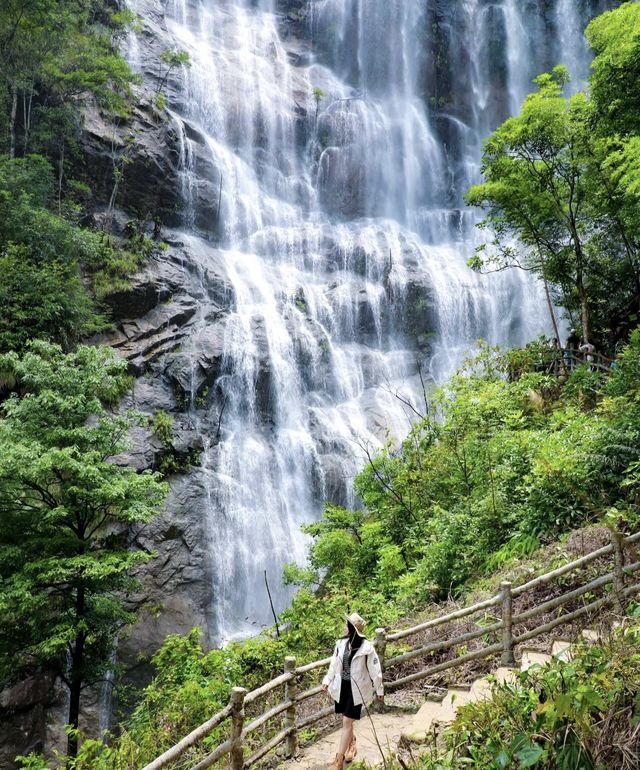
x,y
325,150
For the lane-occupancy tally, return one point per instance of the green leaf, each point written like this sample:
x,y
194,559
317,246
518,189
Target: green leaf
x,y
529,755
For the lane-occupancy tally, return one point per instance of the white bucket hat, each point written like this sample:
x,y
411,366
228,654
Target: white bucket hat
x,y
357,622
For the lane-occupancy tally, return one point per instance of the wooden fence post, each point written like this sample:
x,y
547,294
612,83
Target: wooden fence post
x,y
507,628
380,644
236,752
290,693
617,540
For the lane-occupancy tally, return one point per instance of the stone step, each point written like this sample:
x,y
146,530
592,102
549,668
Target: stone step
x,y
435,714
422,723
457,696
382,729
561,649
481,688
531,657
504,674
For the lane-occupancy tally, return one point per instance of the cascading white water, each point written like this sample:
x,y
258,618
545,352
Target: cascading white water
x,y
341,160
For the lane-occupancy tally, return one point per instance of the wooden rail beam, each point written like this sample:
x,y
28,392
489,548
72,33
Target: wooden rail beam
x,y
617,541
443,645
485,652
435,622
234,746
215,756
380,644
195,736
548,577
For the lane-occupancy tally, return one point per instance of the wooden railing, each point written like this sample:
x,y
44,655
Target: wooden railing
x,y
619,579
568,359
562,361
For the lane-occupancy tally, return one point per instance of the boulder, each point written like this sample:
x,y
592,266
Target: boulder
x,y
24,709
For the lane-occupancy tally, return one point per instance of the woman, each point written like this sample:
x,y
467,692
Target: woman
x,y
353,678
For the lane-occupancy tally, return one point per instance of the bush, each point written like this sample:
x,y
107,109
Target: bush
x,y
44,256
499,463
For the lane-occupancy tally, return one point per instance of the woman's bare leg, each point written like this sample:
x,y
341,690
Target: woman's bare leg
x,y
347,734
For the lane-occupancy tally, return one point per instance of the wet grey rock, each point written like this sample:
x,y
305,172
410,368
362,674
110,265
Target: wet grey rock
x,y
335,481
154,284
150,394
176,584
417,312
341,182
23,717
366,329
196,370
144,448
264,397
146,148
143,341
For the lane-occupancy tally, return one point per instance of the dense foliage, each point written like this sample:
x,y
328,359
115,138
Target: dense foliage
x,y
44,255
66,552
56,56
561,186
581,715
53,54
507,457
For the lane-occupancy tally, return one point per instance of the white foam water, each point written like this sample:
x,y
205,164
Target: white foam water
x,y
342,161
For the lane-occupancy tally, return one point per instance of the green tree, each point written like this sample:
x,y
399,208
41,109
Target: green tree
x,y
614,37
67,509
535,193
41,293
561,182
615,154
46,258
173,58
52,53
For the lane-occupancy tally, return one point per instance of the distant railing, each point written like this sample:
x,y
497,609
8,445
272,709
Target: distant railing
x,y
567,358
234,712
562,361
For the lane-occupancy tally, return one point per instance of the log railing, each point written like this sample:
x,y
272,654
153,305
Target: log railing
x,y
189,752
560,362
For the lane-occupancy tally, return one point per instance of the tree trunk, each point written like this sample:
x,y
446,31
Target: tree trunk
x,y
552,312
27,120
582,294
77,663
584,308
60,177
12,121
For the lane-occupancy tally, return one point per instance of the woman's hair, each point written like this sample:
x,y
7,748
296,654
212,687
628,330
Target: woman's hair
x,y
356,639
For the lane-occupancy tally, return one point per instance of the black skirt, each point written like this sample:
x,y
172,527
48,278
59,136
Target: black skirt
x,y
346,705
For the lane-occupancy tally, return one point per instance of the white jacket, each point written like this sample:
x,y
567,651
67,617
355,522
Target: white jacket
x,y
366,674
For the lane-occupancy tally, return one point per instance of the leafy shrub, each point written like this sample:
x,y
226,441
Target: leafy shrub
x,y
500,465
43,257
